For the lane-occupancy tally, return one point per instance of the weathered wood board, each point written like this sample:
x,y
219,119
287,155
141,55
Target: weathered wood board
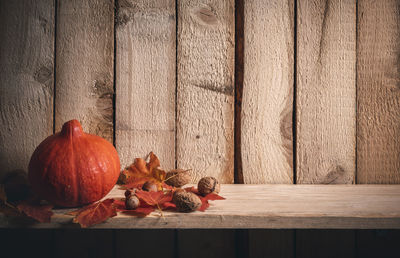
x,y
205,92
267,101
326,91
269,206
26,79
84,65
378,87
145,80
325,109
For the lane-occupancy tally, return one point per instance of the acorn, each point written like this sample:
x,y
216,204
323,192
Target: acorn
x,y
130,192
149,187
208,185
186,201
132,202
178,177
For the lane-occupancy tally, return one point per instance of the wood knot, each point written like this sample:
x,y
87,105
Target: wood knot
x,y
43,74
336,175
205,15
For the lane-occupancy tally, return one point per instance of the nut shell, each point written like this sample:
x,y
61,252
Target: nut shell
x,y
132,202
149,187
178,177
130,192
186,201
208,185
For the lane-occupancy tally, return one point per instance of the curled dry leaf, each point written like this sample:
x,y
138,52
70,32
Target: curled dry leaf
x,y
141,171
33,209
95,213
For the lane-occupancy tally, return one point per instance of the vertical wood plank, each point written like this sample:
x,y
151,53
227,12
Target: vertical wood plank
x,y
26,79
145,101
325,112
205,91
325,243
145,243
326,91
267,104
271,243
210,243
84,91
22,243
267,109
205,108
378,102
378,85
84,65
145,80
83,243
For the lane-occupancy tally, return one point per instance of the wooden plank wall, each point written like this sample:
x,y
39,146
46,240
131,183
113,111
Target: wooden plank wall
x,y
312,97
326,111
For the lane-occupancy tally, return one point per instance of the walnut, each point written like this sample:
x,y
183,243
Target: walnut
x,y
186,201
178,177
208,185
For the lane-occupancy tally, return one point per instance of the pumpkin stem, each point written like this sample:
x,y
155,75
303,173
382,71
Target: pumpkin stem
x,y
72,128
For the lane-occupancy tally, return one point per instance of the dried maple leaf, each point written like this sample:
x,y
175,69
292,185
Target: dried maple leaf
x,y
33,209
96,213
204,199
142,211
154,198
140,172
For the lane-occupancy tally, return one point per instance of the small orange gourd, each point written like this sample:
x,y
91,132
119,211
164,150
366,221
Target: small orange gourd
x,y
72,168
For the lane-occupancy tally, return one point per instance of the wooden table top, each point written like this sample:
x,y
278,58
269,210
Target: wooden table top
x,y
267,206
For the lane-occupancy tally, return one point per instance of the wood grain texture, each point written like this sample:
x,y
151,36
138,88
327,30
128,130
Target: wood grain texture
x,y
271,243
145,243
325,243
326,91
212,243
269,206
26,79
145,80
378,85
83,243
267,104
84,65
205,93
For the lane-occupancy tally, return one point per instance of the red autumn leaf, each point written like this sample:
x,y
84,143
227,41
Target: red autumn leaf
x,y
154,198
140,172
213,197
142,211
96,213
41,213
168,205
119,204
204,199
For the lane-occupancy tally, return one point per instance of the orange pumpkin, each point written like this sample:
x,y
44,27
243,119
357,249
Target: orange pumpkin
x,y
72,168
